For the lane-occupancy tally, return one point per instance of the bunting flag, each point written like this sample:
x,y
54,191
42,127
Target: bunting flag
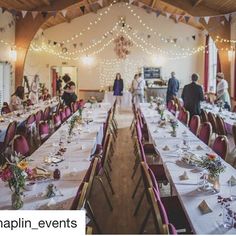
x,y
158,13
34,14
168,15
100,2
175,40
82,8
63,12
187,18
23,13
207,18
194,37
131,1
227,17
140,4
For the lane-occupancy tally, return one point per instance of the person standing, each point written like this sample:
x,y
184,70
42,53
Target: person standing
x,y
173,88
192,95
34,90
118,87
58,85
17,98
69,95
222,93
138,85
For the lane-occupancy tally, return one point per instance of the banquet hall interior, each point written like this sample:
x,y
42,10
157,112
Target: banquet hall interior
x,y
125,109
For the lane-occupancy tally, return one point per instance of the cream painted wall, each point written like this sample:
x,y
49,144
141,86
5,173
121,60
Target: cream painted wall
x,y
91,77
9,37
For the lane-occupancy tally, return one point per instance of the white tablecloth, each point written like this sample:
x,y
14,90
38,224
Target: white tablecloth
x,y
73,168
126,99
186,190
20,119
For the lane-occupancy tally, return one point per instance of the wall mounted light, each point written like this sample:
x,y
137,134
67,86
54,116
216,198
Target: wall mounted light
x,y
13,54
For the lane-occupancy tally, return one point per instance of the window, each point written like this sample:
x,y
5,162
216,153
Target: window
x,y
5,82
212,66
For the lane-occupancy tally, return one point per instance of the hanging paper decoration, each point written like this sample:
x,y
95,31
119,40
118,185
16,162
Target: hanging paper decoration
x,y
122,46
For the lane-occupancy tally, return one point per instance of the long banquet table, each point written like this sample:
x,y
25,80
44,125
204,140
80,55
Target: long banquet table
x,y
187,190
24,115
228,116
72,169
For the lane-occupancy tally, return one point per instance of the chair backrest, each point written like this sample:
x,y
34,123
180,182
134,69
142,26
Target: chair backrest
x,y
10,133
234,109
5,109
56,120
194,124
44,130
20,145
46,113
158,212
220,146
234,133
221,130
68,112
62,114
80,198
204,117
212,120
169,105
185,117
142,153
39,116
30,120
205,132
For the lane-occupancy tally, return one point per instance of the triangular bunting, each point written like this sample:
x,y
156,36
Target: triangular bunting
x,y
207,18
131,1
194,37
175,40
227,17
63,12
187,18
82,8
100,2
168,14
34,14
23,13
158,13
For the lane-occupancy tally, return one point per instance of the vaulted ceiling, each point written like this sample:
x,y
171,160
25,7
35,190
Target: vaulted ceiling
x,y
180,7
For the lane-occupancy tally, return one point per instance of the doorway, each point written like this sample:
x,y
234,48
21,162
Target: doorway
x,y
60,71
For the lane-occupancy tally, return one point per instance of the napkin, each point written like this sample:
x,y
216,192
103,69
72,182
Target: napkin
x,y
204,208
232,181
199,147
51,202
184,176
166,148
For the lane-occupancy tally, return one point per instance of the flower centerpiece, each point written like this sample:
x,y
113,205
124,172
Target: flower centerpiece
x,y
15,172
73,121
159,101
174,125
81,107
215,167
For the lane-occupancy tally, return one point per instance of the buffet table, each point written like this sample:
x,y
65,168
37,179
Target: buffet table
x,y
126,99
188,191
74,164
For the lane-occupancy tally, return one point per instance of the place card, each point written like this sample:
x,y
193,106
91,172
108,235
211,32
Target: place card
x,y
204,208
166,148
184,176
232,181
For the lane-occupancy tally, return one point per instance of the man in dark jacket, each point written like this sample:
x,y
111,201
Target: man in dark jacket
x,y
173,88
192,96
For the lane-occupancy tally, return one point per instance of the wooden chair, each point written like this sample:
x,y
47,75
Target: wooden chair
x,y
205,132
221,130
212,120
194,124
221,146
204,117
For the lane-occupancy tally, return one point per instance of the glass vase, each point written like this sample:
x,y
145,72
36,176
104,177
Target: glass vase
x,y
17,200
215,181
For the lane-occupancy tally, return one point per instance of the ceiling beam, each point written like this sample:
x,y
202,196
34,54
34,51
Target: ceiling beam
x,y
197,3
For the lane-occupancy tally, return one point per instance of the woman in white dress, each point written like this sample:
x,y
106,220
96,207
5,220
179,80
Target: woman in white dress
x,y
17,99
34,90
222,93
137,87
